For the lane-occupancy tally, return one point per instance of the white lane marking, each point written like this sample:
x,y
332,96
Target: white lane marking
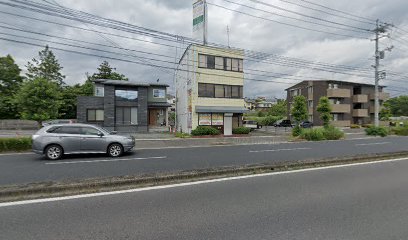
x,y
369,144
104,160
17,153
6,204
282,149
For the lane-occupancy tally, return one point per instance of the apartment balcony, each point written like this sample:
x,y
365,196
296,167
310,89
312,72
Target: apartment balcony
x,y
341,123
360,98
338,93
340,108
382,96
360,112
310,111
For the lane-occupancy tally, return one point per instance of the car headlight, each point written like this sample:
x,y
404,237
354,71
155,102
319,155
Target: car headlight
x,y
35,136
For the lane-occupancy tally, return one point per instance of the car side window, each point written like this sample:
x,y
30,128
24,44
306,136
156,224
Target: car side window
x,y
67,130
90,131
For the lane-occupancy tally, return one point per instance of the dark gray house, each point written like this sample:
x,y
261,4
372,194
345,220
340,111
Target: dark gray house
x,y
125,106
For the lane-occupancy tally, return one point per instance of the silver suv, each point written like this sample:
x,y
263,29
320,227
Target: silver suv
x,y
56,140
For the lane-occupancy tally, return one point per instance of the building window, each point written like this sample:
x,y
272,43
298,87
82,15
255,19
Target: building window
x,y
241,65
95,115
210,119
202,61
126,95
99,91
235,65
310,103
126,116
235,92
159,93
227,64
219,63
310,91
219,91
204,119
227,90
205,90
211,62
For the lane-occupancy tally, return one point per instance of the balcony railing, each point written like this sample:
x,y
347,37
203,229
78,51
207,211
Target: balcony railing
x,y
338,93
360,98
360,112
340,108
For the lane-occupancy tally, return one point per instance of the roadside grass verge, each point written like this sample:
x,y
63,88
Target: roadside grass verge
x,y
57,189
17,144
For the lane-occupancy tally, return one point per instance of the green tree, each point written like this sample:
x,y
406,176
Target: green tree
x,y
46,67
325,109
10,82
68,98
385,112
280,109
398,106
299,109
105,71
38,100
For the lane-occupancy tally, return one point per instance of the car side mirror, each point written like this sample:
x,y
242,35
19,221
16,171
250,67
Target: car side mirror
x,y
100,134
113,132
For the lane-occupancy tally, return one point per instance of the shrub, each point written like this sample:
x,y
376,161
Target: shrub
x,y
15,144
355,126
401,131
241,130
269,120
313,134
205,130
376,131
296,131
182,135
332,133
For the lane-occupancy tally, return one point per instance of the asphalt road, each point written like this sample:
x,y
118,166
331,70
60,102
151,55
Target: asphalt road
x,y
363,202
28,168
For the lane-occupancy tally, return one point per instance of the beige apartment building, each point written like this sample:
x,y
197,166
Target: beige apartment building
x,y
209,89
352,103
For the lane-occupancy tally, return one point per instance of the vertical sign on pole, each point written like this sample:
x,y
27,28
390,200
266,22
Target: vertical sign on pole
x,y
200,21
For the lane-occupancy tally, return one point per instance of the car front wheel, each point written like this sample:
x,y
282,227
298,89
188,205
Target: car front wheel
x,y
53,152
115,150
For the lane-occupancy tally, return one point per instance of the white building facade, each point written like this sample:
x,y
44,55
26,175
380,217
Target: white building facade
x,y
209,89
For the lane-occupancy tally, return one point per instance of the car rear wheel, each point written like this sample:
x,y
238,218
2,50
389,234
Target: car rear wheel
x,y
115,150
53,152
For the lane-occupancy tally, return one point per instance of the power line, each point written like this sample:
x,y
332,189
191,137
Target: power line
x,y
359,30
282,61
336,10
330,13
307,16
286,24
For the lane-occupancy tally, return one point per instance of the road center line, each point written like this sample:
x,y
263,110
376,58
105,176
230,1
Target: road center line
x,y
369,144
105,160
278,150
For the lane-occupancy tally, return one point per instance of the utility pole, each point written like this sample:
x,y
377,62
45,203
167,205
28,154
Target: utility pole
x,y
380,29
376,67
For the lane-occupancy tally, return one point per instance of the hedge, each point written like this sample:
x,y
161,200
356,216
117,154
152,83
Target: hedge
x,y
376,131
319,134
401,131
205,130
241,130
15,144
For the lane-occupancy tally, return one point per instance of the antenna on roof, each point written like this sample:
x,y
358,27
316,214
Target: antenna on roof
x,y
228,36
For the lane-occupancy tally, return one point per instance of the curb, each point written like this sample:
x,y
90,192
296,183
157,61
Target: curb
x,y
56,189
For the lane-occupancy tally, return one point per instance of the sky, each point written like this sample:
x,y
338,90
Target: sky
x,y
276,30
